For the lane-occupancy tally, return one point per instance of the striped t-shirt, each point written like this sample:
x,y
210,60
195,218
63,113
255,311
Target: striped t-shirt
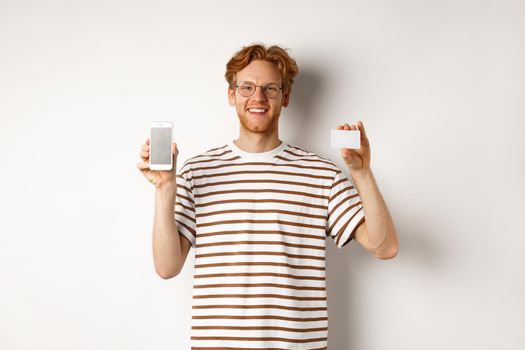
x,y
258,223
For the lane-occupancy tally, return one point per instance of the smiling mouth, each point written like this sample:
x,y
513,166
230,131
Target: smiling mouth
x,y
257,111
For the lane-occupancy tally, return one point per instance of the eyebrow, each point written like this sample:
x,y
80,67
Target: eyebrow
x,y
269,82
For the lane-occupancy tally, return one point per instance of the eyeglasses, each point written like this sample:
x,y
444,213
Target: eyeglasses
x,y
247,88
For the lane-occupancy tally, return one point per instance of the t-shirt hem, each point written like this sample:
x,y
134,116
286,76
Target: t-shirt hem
x,y
350,230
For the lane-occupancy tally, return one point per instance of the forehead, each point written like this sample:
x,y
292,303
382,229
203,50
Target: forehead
x,y
260,71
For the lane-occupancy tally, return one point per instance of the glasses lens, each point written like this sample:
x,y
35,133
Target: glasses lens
x,y
271,90
246,88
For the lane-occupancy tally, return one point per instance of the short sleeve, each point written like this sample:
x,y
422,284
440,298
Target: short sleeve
x,y
344,207
185,206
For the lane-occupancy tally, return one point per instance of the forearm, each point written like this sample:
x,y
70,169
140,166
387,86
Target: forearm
x,y
167,253
379,223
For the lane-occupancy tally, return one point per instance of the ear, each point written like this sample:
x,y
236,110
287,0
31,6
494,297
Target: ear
x,y
231,96
286,99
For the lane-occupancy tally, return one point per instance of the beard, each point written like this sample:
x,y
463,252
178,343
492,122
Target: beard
x,y
258,125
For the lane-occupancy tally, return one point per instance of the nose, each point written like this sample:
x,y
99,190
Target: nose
x,y
259,93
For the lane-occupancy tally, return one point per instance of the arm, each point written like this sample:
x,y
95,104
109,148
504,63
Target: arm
x,y
170,248
377,233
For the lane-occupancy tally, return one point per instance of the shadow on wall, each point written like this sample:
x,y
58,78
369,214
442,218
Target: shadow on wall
x,y
347,267
302,111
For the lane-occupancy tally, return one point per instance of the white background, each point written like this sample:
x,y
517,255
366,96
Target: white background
x,y
439,86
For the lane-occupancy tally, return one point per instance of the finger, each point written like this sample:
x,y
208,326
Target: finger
x,y
143,165
144,155
346,127
361,128
147,141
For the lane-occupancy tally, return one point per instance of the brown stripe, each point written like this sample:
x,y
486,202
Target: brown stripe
x,y
348,188
248,190
262,339
340,234
264,306
185,206
265,317
339,204
310,154
259,274
282,222
206,154
270,328
278,296
338,182
187,228
214,149
188,190
286,244
353,232
265,164
287,212
276,285
304,204
262,172
181,176
295,183
186,216
186,198
299,149
214,159
301,158
251,263
313,257
261,232
341,215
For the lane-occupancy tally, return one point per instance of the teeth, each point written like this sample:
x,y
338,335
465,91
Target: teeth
x,y
257,110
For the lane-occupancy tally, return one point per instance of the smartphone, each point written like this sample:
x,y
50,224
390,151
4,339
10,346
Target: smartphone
x,y
345,139
160,156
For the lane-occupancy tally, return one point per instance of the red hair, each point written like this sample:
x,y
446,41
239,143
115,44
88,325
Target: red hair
x,y
273,54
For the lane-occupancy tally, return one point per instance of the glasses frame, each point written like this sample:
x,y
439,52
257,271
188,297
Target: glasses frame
x,y
256,86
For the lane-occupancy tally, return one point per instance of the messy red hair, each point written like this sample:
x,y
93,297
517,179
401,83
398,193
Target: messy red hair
x,y
273,54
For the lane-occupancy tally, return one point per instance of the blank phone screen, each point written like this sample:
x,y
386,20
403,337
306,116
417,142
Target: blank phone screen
x,y
160,146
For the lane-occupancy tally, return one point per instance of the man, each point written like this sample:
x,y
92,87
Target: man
x,y
258,211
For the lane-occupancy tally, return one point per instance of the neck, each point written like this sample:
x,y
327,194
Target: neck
x,y
257,142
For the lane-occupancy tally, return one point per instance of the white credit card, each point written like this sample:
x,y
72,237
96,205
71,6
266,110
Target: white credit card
x,y
345,139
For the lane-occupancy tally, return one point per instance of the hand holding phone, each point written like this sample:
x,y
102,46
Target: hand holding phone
x,y
159,156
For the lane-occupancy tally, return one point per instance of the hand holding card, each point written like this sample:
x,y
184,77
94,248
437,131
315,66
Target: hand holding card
x,y
354,145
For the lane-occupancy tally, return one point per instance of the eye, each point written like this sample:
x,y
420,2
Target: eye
x,y
271,88
246,87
